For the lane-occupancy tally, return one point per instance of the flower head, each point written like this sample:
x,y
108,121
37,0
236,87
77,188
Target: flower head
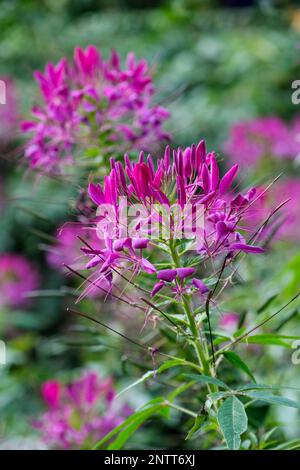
x,y
188,187
17,278
79,413
88,101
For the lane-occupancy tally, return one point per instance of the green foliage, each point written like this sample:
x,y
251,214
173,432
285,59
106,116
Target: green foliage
x,y
233,421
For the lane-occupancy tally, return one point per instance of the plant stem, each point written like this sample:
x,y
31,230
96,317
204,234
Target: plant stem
x,y
192,324
180,408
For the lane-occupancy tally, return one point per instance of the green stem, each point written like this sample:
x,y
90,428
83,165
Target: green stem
x,y
180,408
192,324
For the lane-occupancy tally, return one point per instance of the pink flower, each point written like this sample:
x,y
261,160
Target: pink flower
x,y
51,392
79,413
286,224
251,141
191,181
229,322
17,278
67,252
90,100
67,249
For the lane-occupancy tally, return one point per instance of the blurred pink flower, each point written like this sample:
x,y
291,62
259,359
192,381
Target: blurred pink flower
x,y
67,251
287,222
91,101
250,141
79,413
229,322
17,278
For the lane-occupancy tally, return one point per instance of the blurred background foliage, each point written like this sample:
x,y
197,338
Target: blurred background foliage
x,y
214,63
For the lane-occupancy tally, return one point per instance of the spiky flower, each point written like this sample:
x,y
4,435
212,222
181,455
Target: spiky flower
x,y
200,209
90,102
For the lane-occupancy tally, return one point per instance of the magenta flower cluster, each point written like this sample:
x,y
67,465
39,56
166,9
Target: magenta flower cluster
x,y
17,278
79,413
250,141
89,102
189,176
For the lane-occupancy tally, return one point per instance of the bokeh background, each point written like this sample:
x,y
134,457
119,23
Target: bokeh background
x,y
214,63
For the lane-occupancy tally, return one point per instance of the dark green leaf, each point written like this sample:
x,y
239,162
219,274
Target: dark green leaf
x,y
234,359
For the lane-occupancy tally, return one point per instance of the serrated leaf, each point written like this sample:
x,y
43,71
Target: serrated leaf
x,y
233,421
235,360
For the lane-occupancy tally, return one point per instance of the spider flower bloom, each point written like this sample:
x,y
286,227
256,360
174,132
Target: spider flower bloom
x,y
17,278
79,413
190,178
88,101
9,112
250,141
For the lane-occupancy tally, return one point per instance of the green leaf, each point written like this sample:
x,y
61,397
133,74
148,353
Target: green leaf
x,y
234,359
169,364
199,421
255,386
151,373
218,395
233,421
146,376
207,380
267,303
129,426
273,399
291,445
126,433
271,339
180,390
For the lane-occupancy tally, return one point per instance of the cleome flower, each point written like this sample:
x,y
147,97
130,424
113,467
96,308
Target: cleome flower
x,y
187,187
90,101
79,413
